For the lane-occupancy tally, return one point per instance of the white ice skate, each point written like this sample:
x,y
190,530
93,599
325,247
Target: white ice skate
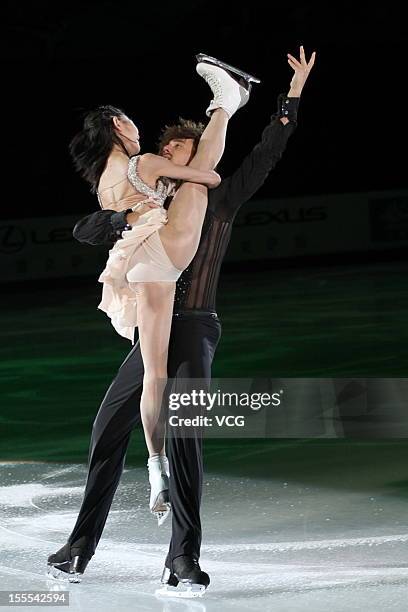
x,y
159,474
228,93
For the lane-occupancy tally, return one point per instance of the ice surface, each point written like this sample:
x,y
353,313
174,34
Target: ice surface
x,y
268,544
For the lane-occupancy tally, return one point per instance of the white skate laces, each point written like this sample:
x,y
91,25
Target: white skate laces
x,y
214,83
226,91
218,100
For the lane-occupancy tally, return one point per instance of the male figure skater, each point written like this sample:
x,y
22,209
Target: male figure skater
x,y
195,333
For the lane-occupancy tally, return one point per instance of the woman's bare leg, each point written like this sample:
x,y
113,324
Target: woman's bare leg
x,y
181,235
155,300
154,316
212,142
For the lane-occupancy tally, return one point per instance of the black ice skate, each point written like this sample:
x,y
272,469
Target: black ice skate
x,y
183,578
67,564
236,73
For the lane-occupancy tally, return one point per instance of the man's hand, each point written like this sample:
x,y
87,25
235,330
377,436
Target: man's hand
x,y
143,208
302,70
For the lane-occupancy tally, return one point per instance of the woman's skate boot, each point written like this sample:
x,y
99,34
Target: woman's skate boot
x,y
228,93
159,481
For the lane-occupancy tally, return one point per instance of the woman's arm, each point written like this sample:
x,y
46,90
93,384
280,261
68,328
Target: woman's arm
x,y
156,166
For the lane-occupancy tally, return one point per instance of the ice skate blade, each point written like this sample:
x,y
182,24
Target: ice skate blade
x,y
58,574
202,57
181,590
161,515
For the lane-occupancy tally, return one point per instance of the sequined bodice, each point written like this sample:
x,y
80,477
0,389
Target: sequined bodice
x,y
164,186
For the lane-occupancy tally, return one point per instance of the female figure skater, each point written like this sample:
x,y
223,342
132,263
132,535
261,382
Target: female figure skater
x,y
141,272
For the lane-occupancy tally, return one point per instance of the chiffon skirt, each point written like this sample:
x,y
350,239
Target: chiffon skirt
x,y
138,256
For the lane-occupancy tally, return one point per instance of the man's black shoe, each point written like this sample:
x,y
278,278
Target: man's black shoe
x,y
68,563
183,577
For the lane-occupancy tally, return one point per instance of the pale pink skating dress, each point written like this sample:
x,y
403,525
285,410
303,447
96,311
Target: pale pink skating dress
x,y
138,256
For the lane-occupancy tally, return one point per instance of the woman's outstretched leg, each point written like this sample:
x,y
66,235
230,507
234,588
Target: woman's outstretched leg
x,y
154,316
181,235
212,142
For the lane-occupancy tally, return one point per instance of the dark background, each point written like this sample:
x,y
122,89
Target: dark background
x,y
62,57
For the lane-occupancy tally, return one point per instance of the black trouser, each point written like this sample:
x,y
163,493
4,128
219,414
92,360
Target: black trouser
x,y
194,338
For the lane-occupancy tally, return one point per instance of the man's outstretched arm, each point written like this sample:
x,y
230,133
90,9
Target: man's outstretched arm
x,y
238,188
252,173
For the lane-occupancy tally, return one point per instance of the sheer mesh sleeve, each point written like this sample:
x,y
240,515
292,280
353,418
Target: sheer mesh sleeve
x,y
238,188
102,227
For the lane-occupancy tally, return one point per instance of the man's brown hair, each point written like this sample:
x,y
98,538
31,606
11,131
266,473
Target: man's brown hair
x,y
185,128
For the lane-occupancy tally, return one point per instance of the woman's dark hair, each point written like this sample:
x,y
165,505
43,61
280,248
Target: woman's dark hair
x,y
91,147
185,128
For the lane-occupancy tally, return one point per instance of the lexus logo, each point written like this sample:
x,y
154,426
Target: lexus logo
x,y
12,239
